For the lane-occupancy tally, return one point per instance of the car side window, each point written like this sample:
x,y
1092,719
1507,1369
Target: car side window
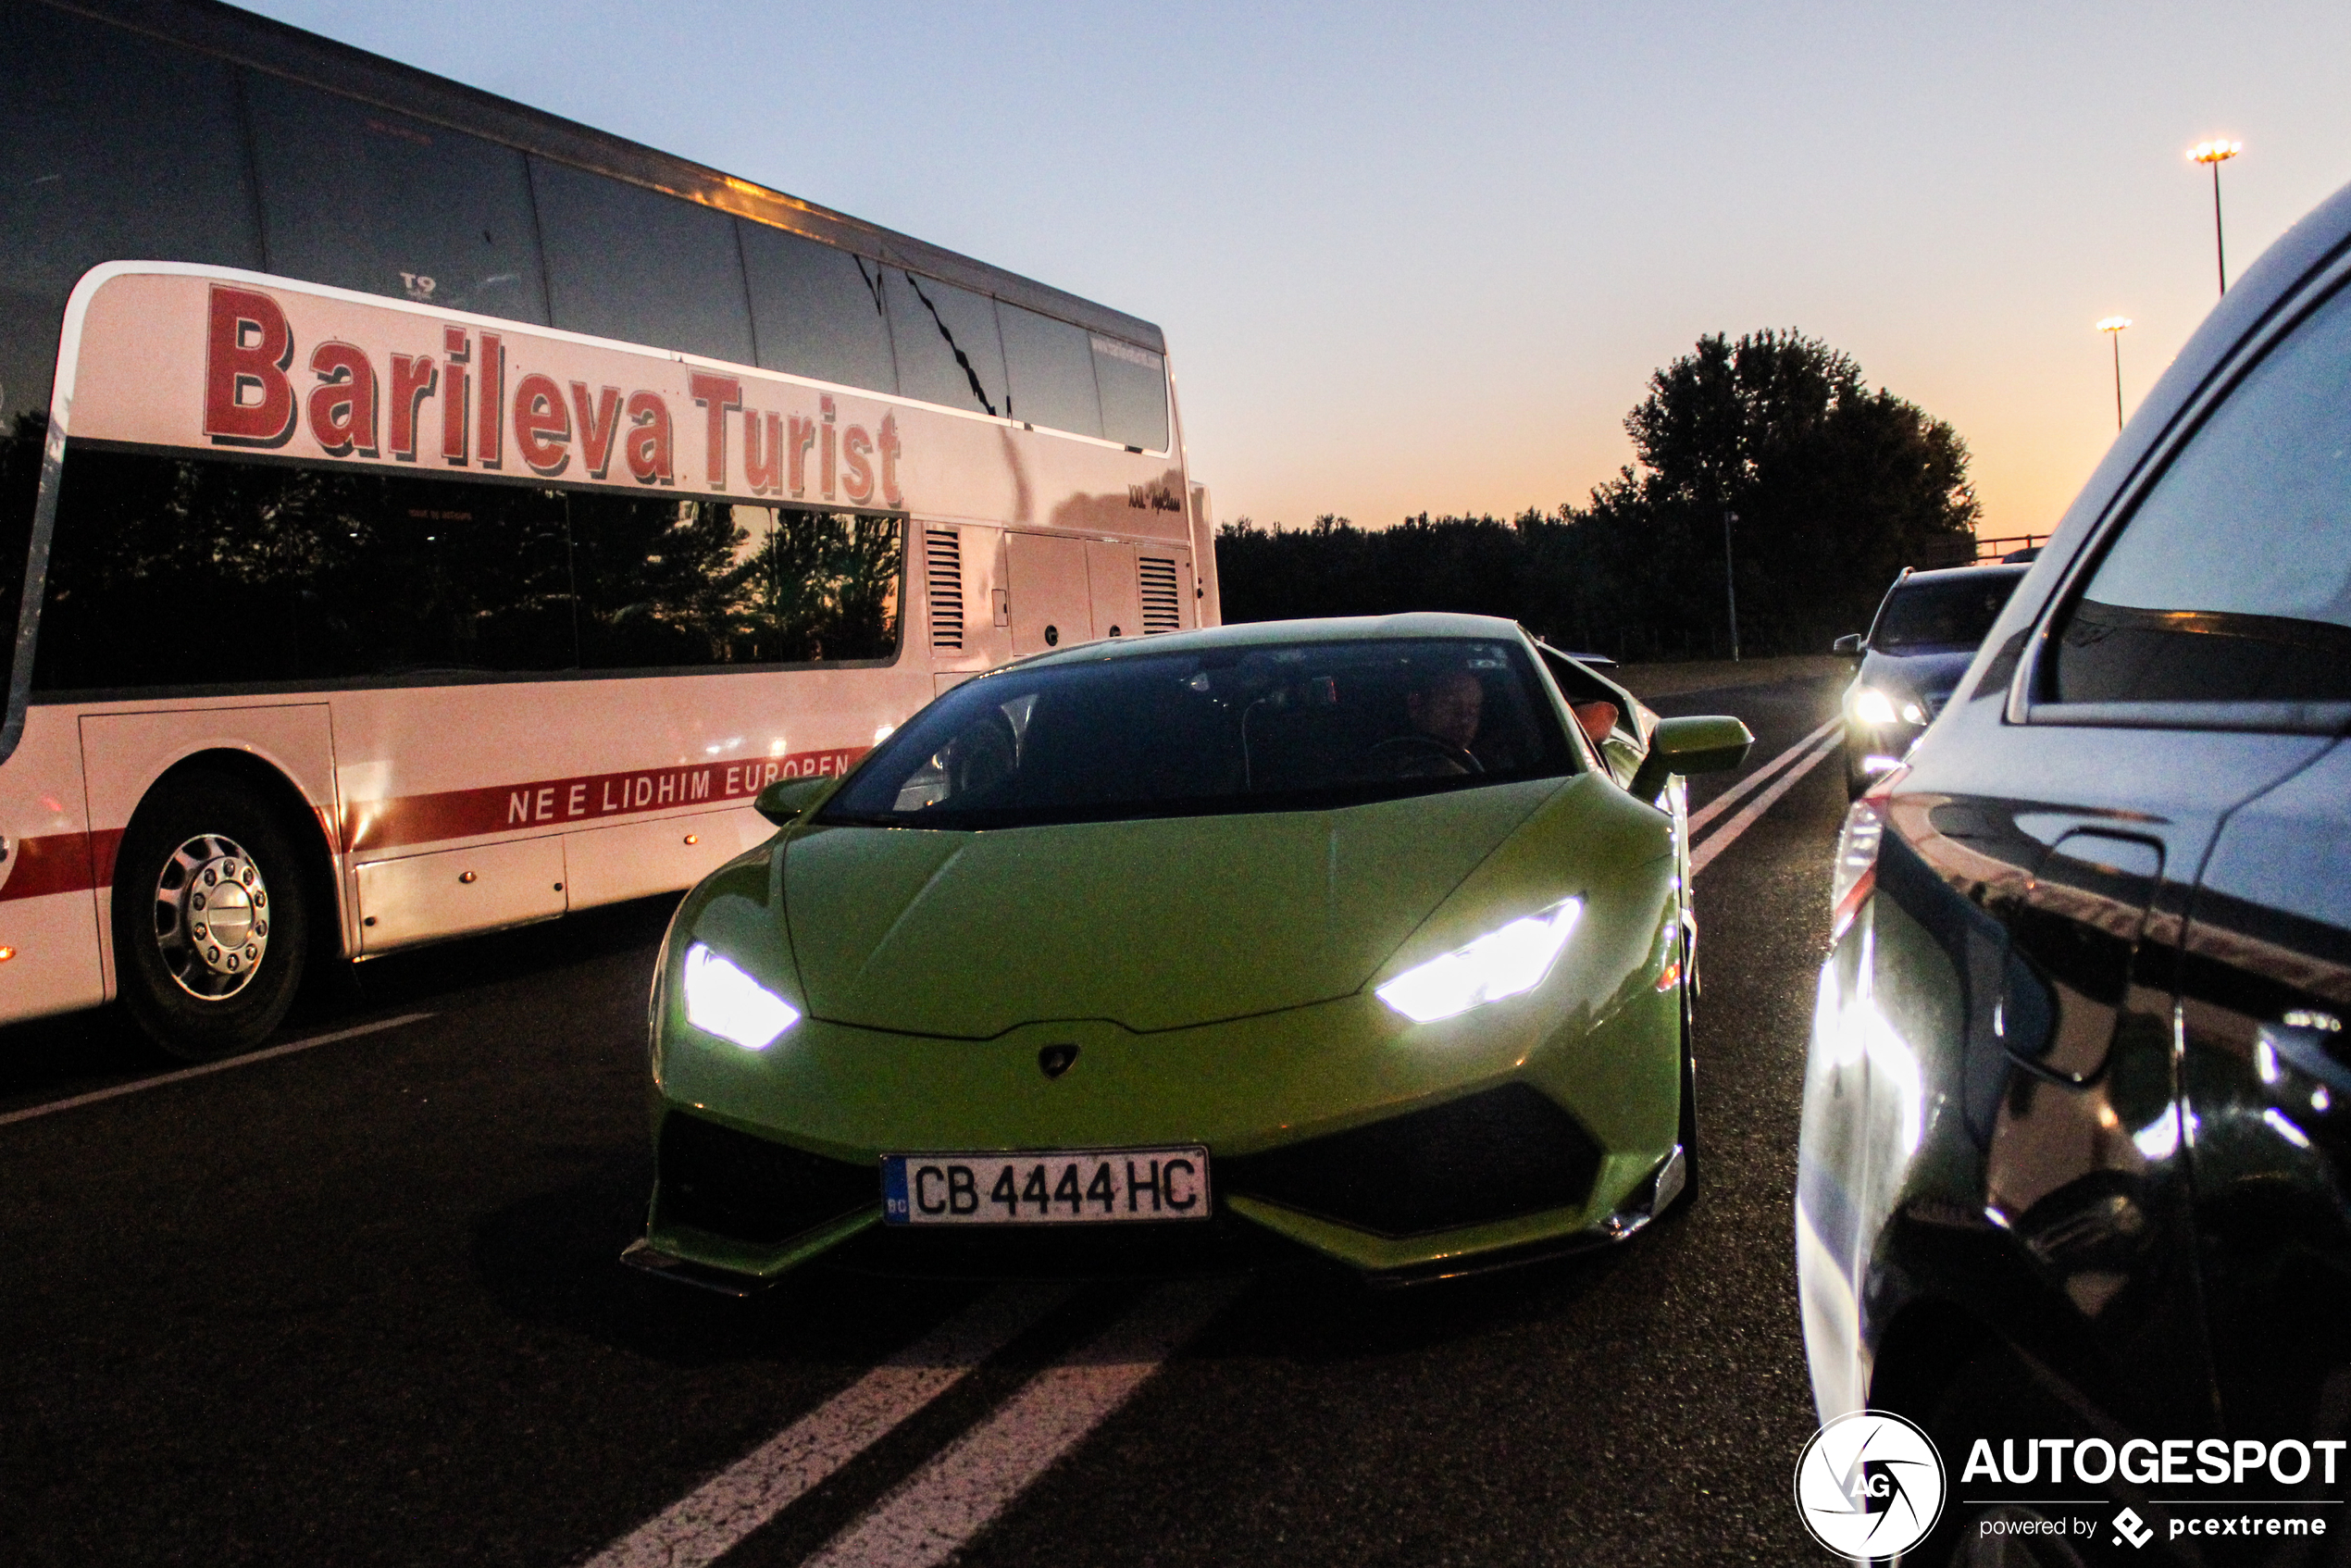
x,y
1621,750
2232,581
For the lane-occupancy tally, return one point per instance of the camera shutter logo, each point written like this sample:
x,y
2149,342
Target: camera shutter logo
x,y
1869,1485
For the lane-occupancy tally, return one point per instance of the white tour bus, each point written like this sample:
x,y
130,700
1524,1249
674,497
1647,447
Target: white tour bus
x,y
433,515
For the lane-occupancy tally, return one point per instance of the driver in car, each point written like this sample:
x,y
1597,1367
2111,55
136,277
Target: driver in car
x,y
1445,708
1448,708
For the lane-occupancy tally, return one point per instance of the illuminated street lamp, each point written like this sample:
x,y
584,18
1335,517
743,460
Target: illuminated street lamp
x,y
2216,154
2112,326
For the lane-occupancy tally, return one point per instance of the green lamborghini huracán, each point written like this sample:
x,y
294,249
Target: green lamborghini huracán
x,y
1370,938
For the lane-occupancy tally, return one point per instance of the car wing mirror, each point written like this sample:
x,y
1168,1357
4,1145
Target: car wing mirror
x,y
1849,644
782,802
1711,745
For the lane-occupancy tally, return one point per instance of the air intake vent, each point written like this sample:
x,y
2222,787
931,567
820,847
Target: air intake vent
x,y
1163,606
943,565
728,1183
1493,1156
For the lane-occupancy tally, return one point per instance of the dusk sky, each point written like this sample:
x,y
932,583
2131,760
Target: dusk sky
x,y
1423,259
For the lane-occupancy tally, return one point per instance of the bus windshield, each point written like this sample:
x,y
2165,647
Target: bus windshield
x,y
1215,731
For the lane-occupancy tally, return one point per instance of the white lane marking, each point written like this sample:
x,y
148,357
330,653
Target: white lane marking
x,y
1722,840
708,1521
222,1066
936,1511
1756,780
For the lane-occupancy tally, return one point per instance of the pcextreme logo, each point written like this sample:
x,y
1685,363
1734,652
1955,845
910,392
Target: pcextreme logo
x,y
1869,1485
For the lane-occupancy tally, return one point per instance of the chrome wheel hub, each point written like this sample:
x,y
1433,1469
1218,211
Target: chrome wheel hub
x,y
212,917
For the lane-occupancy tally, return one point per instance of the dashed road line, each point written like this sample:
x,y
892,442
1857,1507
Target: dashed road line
x,y
936,1511
710,1520
1723,837
1756,780
119,1090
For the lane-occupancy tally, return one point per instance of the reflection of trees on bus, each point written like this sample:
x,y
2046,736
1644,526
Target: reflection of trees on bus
x,y
166,571
708,582
654,582
823,586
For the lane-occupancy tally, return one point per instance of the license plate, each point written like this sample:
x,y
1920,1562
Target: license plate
x,y
1047,1186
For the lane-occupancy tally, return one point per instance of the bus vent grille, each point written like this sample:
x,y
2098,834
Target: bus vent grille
x,y
943,565
1163,606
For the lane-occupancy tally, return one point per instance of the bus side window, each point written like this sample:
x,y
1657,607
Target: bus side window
x,y
1051,371
369,575
358,573
363,198
667,582
628,263
818,311
949,352
1133,383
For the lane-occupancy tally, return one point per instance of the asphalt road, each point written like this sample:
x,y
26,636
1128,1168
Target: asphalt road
x,y
359,1305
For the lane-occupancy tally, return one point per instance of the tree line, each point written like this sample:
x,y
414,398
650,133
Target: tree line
x,y
1825,487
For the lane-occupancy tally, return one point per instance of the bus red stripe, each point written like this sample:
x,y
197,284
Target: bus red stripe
x,y
105,844
376,825
58,863
72,863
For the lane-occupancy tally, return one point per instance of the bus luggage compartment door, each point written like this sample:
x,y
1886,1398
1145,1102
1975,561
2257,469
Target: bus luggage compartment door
x,y
454,892
639,859
1110,572
1051,601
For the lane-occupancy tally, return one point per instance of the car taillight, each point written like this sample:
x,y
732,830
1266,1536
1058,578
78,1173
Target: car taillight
x,y
1855,876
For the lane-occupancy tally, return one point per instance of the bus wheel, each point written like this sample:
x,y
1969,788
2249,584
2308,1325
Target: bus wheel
x,y
210,924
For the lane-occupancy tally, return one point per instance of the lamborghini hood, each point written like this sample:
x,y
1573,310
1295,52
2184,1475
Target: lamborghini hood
x,y
1156,925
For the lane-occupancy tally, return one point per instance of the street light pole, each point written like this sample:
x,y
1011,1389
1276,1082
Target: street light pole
x,y
1730,581
2216,153
2112,326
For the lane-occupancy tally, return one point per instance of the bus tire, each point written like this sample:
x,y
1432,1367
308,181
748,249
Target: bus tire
x,y
211,925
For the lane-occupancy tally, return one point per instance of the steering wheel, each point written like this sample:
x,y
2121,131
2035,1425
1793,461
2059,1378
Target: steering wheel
x,y
1421,756
982,757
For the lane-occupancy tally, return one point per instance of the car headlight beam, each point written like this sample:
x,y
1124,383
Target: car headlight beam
x,y
721,999
1873,706
1503,963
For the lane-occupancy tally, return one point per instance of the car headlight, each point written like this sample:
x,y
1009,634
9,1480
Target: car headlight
x,y
1499,964
724,1000
1873,706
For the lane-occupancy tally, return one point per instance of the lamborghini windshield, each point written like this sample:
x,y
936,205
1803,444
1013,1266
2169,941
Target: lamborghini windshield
x,y
1216,730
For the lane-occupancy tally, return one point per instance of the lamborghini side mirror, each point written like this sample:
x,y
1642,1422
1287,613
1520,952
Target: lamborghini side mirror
x,y
1711,744
782,802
